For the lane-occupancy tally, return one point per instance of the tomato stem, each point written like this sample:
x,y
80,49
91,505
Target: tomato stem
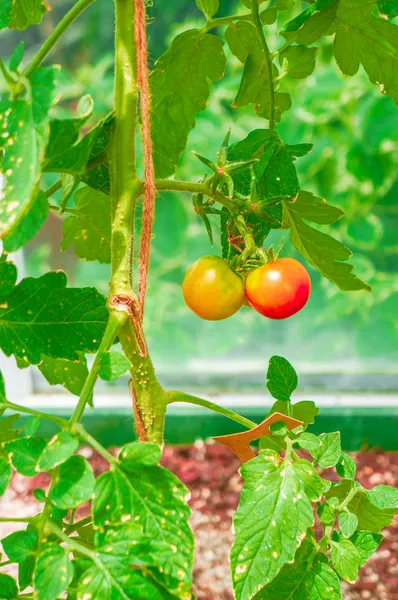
x,y
267,63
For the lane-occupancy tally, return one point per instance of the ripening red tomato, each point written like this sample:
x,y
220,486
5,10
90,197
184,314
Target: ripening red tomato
x,y
278,289
211,289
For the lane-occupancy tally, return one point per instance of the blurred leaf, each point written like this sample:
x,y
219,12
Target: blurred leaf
x,y
311,24
74,482
113,365
5,474
208,7
8,278
281,378
262,545
20,14
177,97
16,57
388,8
71,374
6,433
29,226
58,450
8,587
19,545
54,572
43,316
32,426
300,61
24,454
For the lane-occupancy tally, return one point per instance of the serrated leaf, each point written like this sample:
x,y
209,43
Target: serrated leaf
x,y
348,523
300,61
328,455
70,373
74,483
305,411
58,450
314,209
20,545
366,543
346,467
29,226
16,57
25,133
44,317
24,454
254,87
281,378
324,252
308,441
20,14
208,7
53,573
309,576
31,426
5,474
89,229
346,559
177,97
8,279
8,588
272,517
98,177
127,493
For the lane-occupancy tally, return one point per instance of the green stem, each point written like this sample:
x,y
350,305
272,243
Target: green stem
x,y
53,188
267,63
72,544
15,520
5,563
230,414
85,436
50,42
30,411
348,499
7,76
219,21
115,322
78,525
194,188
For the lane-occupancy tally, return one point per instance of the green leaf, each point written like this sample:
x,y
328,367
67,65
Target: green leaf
x,y
65,153
311,24
8,279
269,16
20,545
70,373
89,229
58,450
8,588
279,428
74,483
383,497
6,433
25,132
299,61
5,474
324,252
348,523
113,365
273,515
29,226
177,96
31,426
326,514
311,482
345,558
309,576
53,573
98,177
328,455
308,441
366,543
20,14
281,378
16,57
388,8
127,493
24,454
346,467
208,7
305,411
254,87
43,316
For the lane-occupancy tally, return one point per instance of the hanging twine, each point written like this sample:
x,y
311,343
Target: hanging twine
x,y
149,172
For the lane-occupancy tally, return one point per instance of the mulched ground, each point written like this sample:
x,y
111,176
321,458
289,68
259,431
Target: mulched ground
x,y
211,473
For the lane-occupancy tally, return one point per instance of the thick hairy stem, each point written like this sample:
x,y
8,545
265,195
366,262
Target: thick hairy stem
x,y
149,171
50,42
149,398
267,63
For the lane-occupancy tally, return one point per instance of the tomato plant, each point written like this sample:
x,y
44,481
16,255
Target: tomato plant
x,y
137,542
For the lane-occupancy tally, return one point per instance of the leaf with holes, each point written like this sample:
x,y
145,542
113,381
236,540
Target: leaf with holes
x,y
177,97
53,573
273,515
89,227
126,492
44,317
